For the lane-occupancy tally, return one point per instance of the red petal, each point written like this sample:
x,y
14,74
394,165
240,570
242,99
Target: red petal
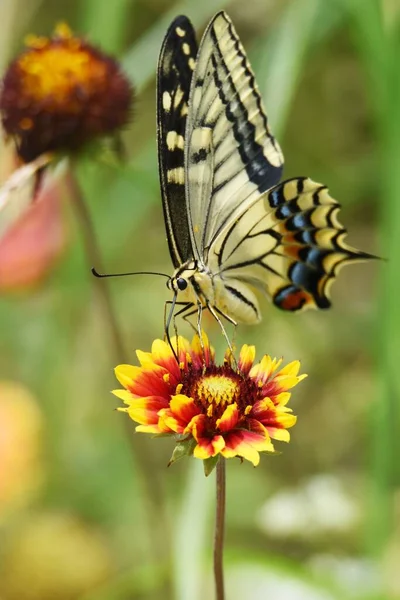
x,y
145,410
201,352
209,447
247,444
183,408
149,383
229,418
198,426
163,356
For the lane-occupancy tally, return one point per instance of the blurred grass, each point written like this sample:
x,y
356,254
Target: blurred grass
x,y
329,74
376,28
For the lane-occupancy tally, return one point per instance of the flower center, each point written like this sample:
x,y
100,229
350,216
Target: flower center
x,y
56,71
217,390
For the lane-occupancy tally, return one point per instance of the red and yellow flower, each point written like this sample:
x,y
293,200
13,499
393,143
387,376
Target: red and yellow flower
x,y
235,409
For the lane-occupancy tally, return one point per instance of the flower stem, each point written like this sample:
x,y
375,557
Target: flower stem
x,y
219,531
152,487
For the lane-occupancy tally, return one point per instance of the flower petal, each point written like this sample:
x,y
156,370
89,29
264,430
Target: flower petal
x,y
145,410
201,351
246,359
281,399
183,407
124,395
290,369
246,444
125,374
264,369
279,434
229,418
150,429
149,383
164,357
209,447
145,359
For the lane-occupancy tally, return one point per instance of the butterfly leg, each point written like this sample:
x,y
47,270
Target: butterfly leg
x,y
172,316
214,313
230,320
186,306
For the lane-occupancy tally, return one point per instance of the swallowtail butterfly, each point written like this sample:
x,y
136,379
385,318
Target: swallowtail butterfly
x,y
232,228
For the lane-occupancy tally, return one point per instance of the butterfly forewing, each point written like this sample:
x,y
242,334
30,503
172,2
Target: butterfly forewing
x,y
288,243
175,70
227,136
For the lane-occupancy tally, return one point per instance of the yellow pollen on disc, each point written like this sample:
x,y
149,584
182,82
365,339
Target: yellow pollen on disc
x,y
216,390
58,69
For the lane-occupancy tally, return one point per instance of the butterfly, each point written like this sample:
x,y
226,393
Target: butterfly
x,y
232,228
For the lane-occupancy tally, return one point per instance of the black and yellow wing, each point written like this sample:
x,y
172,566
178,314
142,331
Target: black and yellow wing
x,y
231,155
175,69
289,244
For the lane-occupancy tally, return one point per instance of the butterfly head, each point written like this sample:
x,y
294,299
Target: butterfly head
x,y
183,277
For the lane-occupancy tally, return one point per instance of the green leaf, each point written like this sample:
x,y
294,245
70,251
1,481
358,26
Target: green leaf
x,y
182,449
209,464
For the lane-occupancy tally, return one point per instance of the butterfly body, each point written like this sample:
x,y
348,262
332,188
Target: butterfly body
x,y
233,230
195,284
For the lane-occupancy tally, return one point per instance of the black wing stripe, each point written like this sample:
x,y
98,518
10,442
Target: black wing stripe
x,y
260,171
175,70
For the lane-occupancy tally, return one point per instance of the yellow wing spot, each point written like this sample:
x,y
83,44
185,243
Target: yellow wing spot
x,y
176,175
181,32
192,63
186,49
166,101
201,138
174,140
178,97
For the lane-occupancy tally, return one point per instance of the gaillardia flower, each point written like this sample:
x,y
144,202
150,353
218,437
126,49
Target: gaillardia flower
x,y
60,93
235,409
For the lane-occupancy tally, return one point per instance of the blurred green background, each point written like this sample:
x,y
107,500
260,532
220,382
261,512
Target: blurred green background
x,y
317,522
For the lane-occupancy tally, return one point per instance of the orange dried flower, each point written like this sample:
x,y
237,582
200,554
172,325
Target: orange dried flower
x,y
60,93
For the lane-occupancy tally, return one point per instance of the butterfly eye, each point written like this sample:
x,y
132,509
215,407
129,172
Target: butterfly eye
x,y
181,283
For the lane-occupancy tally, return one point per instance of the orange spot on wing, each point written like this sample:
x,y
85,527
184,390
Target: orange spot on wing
x,y
292,251
296,300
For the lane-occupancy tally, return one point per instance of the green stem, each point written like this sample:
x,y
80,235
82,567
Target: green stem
x,y
219,531
152,487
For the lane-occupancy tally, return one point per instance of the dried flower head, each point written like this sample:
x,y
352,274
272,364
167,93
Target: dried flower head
x,y
235,409
60,93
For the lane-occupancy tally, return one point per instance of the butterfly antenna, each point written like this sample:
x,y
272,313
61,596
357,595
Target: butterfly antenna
x,y
102,275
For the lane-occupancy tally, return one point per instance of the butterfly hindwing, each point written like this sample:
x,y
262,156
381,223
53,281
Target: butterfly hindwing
x,y
239,155
289,244
175,70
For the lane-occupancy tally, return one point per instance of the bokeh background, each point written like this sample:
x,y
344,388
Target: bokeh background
x,y
81,515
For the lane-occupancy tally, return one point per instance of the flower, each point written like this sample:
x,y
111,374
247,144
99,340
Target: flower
x,y
33,230
235,409
60,93
55,97
21,438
